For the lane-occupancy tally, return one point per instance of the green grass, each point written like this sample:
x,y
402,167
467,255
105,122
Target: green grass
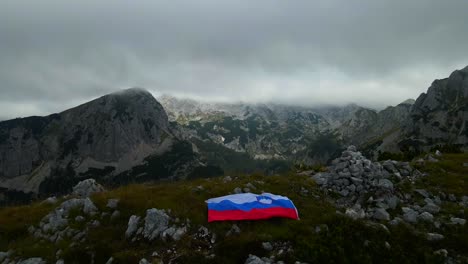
x,y
343,243
448,175
14,222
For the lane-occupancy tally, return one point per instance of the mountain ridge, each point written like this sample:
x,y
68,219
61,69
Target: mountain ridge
x,y
123,135
110,135
283,125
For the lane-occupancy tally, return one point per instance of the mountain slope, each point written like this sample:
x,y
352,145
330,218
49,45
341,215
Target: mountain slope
x,y
263,131
440,116
272,131
325,233
105,137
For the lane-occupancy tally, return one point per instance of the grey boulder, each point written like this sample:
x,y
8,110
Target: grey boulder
x,y
431,208
132,226
428,217
381,214
87,187
410,215
32,261
256,260
385,184
156,221
457,221
434,237
321,178
112,203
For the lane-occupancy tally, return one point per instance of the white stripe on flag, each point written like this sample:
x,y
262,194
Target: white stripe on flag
x,y
245,198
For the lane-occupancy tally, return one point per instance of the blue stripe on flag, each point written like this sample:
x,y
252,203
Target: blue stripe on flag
x,y
228,205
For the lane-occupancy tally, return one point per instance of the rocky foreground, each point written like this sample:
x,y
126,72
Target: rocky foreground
x,y
368,190
355,210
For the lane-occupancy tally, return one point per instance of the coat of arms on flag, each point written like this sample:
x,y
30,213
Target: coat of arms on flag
x,y
250,206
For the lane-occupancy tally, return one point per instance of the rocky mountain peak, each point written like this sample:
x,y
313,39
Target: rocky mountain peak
x,y
132,91
132,94
125,106
440,116
408,102
444,93
109,135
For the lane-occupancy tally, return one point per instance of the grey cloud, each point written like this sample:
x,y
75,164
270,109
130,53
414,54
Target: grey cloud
x,y
55,54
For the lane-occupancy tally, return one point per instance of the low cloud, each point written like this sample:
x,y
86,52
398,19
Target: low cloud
x,y
56,54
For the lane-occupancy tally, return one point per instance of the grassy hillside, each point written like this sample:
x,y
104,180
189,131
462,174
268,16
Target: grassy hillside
x,y
321,235
448,175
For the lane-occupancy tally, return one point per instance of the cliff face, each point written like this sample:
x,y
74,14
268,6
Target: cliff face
x,y
440,116
108,136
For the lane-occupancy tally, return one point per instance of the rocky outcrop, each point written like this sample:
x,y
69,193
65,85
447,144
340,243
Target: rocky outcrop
x,y
103,138
55,226
87,187
372,191
353,176
32,261
252,259
440,116
156,225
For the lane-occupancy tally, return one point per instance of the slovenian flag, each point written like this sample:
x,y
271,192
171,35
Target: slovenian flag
x,y
250,206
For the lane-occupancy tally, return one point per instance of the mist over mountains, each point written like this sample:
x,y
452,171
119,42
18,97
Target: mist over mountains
x,y
255,132
129,136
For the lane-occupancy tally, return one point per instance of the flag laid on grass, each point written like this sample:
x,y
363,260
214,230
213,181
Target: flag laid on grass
x,y
250,206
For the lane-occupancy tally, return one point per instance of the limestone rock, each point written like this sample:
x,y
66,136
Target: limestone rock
x,y
457,221
410,215
234,230
252,259
144,261
132,226
115,215
355,213
386,184
321,178
51,200
156,221
428,217
267,246
112,203
422,192
381,214
396,221
434,237
4,255
32,261
227,179
54,226
156,224
441,252
87,187
179,233
431,208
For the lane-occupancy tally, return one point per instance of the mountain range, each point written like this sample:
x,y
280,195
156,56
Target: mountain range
x,y
130,136
271,131
118,137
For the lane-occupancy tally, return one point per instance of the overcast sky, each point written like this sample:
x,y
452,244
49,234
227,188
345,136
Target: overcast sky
x,y
57,54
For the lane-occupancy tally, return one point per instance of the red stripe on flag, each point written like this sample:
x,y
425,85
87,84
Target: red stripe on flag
x,y
254,214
